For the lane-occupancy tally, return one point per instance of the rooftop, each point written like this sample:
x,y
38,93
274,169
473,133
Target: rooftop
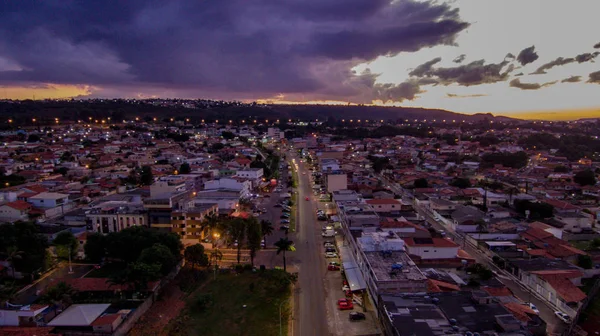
x,y
393,266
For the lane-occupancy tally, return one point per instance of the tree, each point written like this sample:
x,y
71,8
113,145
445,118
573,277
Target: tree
x,y
215,257
146,177
24,237
185,168
421,183
13,254
65,243
511,192
585,177
561,169
237,230
62,170
481,227
33,138
461,183
209,224
127,245
158,254
95,247
59,295
254,236
227,135
585,261
283,245
195,255
266,228
137,275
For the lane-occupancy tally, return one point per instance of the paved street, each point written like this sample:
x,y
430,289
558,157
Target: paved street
x,y
29,294
311,317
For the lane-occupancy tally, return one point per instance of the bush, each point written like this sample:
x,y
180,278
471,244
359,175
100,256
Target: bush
x,y
203,301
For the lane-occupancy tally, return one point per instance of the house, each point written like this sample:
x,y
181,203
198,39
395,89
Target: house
x,y
385,205
431,248
15,211
25,316
49,200
465,218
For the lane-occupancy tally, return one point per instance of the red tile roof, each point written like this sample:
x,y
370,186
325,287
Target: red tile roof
x,y
520,311
436,286
562,205
498,291
19,205
564,288
105,319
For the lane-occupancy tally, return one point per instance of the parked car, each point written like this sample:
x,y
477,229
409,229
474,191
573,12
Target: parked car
x,y
277,205
330,249
284,227
356,316
328,244
345,304
345,288
533,307
335,263
333,268
284,221
331,255
562,316
284,216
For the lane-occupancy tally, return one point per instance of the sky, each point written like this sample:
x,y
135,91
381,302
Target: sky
x,y
534,58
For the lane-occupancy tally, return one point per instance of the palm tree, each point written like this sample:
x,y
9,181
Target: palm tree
x,y
266,228
254,235
511,192
60,295
237,229
12,254
283,245
209,224
216,256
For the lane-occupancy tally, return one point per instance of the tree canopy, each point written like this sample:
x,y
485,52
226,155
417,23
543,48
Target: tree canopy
x,y
585,177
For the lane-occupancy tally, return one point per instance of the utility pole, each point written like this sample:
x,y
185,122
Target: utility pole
x,y
70,266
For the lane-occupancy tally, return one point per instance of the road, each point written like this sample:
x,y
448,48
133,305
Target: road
x,y
29,294
311,317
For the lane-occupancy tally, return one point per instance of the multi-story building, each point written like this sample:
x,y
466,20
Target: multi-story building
x,y
275,133
188,223
159,209
115,216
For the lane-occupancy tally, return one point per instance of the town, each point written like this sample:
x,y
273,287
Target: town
x,y
123,224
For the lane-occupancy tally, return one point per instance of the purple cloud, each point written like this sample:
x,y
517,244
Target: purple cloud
x,y
236,48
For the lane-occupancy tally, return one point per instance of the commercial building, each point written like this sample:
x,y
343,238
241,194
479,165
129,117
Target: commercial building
x,y
188,223
336,181
115,216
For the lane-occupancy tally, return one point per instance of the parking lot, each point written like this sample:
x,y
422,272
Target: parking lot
x,y
273,213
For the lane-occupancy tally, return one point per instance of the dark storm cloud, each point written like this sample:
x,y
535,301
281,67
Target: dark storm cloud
x,y
516,83
509,56
572,79
255,48
594,77
459,58
581,58
474,73
527,55
597,45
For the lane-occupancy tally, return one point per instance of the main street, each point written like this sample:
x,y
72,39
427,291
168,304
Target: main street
x,y
311,317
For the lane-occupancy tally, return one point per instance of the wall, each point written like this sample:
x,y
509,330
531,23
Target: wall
x,y
433,252
336,182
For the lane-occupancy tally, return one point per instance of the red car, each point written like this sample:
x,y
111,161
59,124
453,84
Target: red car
x,y
307,198
345,304
333,268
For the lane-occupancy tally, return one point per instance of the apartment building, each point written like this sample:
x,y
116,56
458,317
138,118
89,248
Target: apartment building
x,y
115,216
188,223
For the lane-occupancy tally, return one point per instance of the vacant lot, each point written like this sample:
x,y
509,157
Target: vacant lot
x,y
236,304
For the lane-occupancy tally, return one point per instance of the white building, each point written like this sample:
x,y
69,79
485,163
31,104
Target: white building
x,y
275,133
229,184
49,200
431,248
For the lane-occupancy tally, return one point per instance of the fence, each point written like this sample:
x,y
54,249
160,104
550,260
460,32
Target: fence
x,y
124,328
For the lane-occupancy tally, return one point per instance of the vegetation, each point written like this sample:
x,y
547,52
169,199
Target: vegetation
x,y
246,304
195,255
460,182
10,180
185,168
585,261
254,236
266,228
537,210
283,245
378,163
421,183
585,177
65,243
516,160
24,247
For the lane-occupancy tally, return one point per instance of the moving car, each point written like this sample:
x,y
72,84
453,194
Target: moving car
x,y
307,198
562,316
333,268
533,307
345,304
331,255
356,316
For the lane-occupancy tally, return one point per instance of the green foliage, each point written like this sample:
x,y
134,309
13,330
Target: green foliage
x,y
538,210
24,237
185,168
128,244
572,146
62,170
561,169
254,236
585,177
585,261
61,293
146,177
460,182
138,275
512,160
227,135
95,247
203,301
33,138
64,242
421,183
378,163
283,245
10,180
158,254
195,255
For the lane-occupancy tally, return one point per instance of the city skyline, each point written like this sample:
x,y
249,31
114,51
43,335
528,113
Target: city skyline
x,y
463,56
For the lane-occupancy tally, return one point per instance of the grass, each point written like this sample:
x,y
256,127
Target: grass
x,y
218,307
583,245
107,270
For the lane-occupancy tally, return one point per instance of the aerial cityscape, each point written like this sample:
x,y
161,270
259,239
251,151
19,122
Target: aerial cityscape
x,y
299,168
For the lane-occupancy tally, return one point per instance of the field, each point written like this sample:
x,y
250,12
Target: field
x,y
237,305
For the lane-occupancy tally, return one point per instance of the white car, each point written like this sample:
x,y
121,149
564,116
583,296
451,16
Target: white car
x,y
328,245
562,316
533,307
331,255
345,288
